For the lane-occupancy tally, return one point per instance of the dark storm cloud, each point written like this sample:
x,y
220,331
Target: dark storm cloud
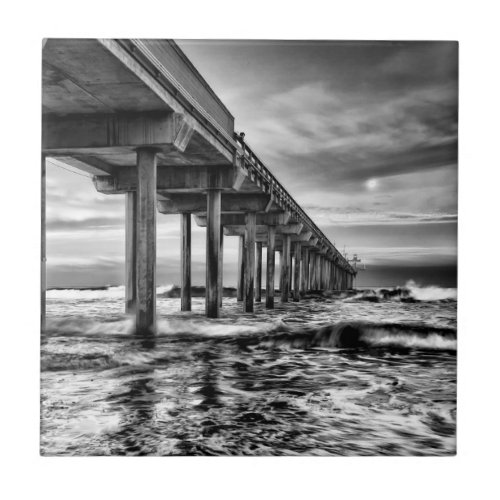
x,y
342,111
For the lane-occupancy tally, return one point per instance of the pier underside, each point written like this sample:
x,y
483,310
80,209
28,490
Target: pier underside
x,y
138,117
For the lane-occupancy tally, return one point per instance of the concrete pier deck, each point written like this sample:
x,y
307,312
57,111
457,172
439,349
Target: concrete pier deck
x,y
138,117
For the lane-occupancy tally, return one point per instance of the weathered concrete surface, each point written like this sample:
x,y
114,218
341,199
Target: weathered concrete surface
x,y
130,252
285,269
212,301
258,272
249,244
186,261
296,272
146,241
108,104
270,267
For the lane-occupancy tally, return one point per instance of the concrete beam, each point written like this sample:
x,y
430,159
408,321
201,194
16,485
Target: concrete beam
x,y
173,203
130,62
88,132
261,235
183,134
195,178
279,220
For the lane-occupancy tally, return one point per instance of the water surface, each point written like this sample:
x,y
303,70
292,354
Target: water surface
x,y
370,374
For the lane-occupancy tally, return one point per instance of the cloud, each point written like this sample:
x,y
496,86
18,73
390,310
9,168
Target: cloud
x,y
325,118
353,217
335,138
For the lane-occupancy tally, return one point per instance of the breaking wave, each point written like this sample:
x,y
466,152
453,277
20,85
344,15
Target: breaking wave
x,y
411,292
271,335
429,293
365,335
105,292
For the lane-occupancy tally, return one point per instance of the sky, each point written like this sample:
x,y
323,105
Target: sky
x,y
363,135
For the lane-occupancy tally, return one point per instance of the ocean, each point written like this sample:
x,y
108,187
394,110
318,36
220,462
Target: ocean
x,y
372,372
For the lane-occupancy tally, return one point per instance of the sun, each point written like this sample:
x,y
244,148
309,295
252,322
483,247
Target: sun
x,y
371,184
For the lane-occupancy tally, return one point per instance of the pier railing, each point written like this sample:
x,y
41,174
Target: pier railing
x,y
263,177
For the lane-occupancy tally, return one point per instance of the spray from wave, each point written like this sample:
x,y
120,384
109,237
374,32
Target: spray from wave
x,y
429,293
361,335
106,292
411,292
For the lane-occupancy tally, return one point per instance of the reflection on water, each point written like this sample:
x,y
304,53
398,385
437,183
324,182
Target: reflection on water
x,y
228,386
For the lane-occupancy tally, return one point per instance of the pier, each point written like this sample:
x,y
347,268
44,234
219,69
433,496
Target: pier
x,y
138,117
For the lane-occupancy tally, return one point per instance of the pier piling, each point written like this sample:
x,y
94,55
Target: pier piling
x,y
258,272
250,223
213,249
285,268
146,241
185,262
296,272
271,240
241,269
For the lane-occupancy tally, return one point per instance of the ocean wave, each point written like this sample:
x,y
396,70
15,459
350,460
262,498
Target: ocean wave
x,y
361,335
428,293
71,326
271,335
105,292
411,292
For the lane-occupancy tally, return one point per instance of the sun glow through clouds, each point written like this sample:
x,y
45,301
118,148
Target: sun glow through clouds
x,y
371,184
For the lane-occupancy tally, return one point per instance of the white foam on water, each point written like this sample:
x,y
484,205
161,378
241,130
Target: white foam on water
x,y
112,292
428,293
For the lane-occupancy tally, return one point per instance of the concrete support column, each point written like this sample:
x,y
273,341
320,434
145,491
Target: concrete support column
x,y
241,269
280,253
213,250
304,269
271,240
318,271
296,273
258,275
221,266
310,270
130,251
328,274
43,246
285,267
186,262
321,272
250,230
146,241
